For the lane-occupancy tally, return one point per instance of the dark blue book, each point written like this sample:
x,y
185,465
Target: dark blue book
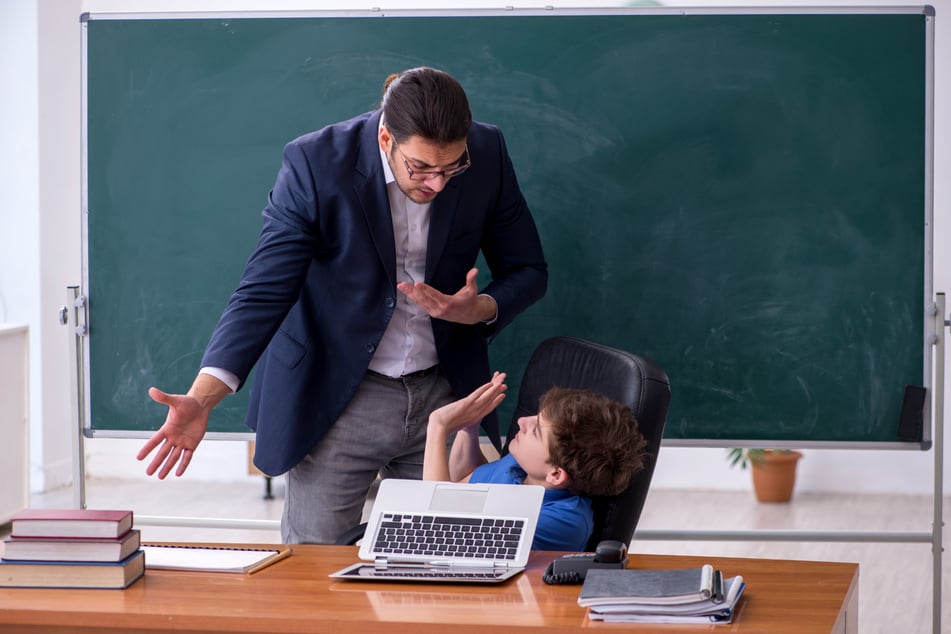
x,y
654,587
72,574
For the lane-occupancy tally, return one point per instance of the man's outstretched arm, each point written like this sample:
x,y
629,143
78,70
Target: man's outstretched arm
x,y
184,427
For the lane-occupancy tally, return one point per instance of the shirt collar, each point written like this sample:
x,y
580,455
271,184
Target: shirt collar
x,y
518,474
552,495
387,172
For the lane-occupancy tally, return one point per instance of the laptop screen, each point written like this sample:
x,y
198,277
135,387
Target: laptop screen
x,y
418,529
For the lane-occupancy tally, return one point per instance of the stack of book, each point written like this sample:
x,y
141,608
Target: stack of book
x,y
693,595
71,548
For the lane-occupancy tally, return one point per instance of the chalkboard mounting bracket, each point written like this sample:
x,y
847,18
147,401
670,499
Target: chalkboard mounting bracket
x,y
79,306
937,398
77,365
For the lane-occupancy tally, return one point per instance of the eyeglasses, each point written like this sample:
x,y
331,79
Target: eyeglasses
x,y
419,175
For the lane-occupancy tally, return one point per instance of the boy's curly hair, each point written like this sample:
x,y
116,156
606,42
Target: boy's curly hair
x,y
593,438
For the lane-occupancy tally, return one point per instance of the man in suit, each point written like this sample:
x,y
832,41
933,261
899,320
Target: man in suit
x,y
360,305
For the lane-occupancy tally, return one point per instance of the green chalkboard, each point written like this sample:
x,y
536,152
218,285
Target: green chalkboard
x,y
740,197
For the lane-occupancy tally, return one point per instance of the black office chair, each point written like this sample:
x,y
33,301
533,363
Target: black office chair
x,y
619,375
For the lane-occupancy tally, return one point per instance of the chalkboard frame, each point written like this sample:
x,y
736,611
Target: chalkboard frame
x,y
90,429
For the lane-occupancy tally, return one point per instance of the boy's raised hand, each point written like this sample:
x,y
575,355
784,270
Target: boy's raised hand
x,y
471,409
462,416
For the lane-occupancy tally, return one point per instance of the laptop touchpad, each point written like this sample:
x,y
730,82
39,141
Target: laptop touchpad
x,y
458,499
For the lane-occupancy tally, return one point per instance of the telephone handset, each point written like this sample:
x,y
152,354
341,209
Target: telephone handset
x,y
572,569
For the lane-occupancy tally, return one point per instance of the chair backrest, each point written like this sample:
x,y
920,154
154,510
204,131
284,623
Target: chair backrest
x,y
619,375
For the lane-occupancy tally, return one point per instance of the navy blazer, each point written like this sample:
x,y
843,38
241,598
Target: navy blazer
x,y
320,287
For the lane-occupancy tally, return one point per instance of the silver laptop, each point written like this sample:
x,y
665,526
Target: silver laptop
x,y
444,532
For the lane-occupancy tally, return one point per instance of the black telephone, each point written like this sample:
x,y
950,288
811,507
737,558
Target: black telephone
x,y
572,569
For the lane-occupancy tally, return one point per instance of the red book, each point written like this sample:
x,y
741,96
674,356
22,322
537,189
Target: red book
x,y
71,523
71,548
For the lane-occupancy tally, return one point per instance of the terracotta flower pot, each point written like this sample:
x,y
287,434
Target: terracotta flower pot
x,y
774,475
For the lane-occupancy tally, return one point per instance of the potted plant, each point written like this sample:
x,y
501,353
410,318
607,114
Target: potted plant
x,y
773,470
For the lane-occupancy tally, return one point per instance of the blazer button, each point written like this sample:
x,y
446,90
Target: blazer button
x,y
390,302
371,348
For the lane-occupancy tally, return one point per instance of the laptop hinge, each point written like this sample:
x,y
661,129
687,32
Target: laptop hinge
x,y
382,563
480,565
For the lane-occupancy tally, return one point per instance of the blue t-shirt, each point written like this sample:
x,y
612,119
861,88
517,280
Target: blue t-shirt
x,y
565,521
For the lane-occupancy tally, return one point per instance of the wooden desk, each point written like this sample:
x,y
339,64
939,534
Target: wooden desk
x,y
295,595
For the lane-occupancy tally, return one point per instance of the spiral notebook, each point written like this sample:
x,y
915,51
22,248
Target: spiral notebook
x,y
212,557
444,532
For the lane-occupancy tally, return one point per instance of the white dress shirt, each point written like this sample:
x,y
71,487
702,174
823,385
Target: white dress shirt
x,y
407,345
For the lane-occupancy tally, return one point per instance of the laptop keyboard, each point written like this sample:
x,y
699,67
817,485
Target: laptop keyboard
x,y
435,536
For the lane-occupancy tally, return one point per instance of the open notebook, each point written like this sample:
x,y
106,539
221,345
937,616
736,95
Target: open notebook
x,y
439,531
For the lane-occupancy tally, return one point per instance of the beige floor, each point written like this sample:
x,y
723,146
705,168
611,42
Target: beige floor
x,y
895,587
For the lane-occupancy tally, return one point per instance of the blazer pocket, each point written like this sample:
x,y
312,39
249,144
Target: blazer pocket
x,y
286,349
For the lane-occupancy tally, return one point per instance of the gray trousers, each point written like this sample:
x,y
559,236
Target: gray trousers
x,y
382,431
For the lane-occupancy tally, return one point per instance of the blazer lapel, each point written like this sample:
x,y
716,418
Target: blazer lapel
x,y
441,214
370,188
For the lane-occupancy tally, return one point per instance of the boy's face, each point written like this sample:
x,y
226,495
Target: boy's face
x,y
530,449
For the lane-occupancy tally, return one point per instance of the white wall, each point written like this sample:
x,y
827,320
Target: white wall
x,y
19,182
60,226
40,256
14,421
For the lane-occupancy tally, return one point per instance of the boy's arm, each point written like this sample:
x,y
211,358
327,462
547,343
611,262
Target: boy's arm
x,y
466,454
460,416
435,459
462,460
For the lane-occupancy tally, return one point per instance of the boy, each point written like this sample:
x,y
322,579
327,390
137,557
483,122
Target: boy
x,y
580,444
